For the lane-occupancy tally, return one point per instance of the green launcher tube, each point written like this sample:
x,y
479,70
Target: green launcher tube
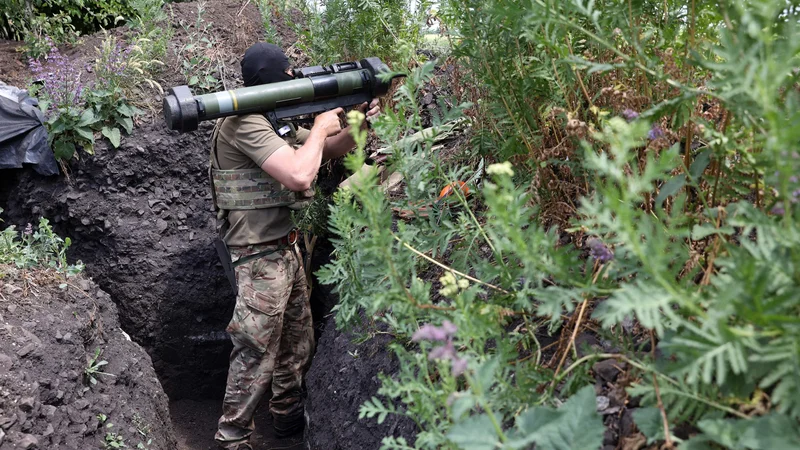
x,y
268,97
314,90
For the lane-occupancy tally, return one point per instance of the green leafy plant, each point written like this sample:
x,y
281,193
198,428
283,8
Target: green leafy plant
x,y
641,183
63,21
36,248
114,440
143,429
92,369
58,86
153,32
74,111
271,11
352,29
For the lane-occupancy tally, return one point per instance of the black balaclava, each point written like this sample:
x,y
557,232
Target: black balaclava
x,y
264,63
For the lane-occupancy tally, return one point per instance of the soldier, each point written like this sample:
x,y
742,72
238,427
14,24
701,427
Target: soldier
x,y
258,177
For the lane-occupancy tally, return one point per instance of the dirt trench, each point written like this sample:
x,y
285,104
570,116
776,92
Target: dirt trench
x,y
140,218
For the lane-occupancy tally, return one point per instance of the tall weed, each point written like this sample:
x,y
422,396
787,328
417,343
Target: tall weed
x,y
647,189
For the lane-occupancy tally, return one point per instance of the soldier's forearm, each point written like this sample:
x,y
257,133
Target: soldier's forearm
x,y
338,145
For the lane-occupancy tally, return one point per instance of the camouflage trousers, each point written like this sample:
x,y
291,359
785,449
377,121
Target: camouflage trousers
x,y
273,340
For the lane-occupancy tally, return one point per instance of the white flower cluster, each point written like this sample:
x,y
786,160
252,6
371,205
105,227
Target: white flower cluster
x,y
503,168
451,286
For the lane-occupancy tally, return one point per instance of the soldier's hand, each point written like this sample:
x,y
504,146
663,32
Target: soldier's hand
x,y
329,122
372,110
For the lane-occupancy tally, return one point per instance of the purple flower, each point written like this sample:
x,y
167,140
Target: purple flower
x,y
459,366
793,179
655,133
446,351
60,78
113,63
28,230
599,251
449,328
778,210
429,332
630,115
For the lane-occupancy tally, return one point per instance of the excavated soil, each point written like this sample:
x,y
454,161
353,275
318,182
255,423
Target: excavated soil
x,y
50,332
343,376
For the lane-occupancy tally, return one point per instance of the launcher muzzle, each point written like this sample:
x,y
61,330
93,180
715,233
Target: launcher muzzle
x,y
314,90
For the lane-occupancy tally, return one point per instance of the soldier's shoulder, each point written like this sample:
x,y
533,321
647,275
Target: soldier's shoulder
x,y
245,120
249,123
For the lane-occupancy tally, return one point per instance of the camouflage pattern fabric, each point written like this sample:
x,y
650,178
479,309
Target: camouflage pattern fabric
x,y
248,189
273,340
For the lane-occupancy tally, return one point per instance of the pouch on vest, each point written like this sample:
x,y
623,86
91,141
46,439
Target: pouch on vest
x,y
244,189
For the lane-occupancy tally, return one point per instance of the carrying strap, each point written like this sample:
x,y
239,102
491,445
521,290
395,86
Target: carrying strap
x,y
215,156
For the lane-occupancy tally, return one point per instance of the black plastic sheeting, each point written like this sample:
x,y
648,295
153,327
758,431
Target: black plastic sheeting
x,y
23,137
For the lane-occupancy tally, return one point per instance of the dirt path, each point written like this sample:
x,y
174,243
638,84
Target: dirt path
x,y
195,423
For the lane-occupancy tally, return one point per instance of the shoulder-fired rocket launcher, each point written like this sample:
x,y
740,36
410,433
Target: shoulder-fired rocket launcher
x,y
313,90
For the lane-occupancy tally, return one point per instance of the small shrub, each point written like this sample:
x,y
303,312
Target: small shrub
x,y
153,32
64,20
352,29
62,97
121,73
40,27
648,194
270,10
36,248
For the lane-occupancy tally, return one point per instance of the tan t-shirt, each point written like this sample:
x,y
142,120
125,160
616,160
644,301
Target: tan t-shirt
x,y
245,142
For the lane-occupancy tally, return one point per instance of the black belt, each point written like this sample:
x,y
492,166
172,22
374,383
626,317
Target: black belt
x,y
283,243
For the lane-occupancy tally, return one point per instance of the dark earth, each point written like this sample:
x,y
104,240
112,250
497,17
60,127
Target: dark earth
x,y
140,219
51,333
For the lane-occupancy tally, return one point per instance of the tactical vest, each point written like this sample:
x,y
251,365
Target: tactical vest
x,y
245,189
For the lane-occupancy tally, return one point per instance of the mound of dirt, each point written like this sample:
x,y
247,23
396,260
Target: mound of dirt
x,y
140,218
344,375
54,335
